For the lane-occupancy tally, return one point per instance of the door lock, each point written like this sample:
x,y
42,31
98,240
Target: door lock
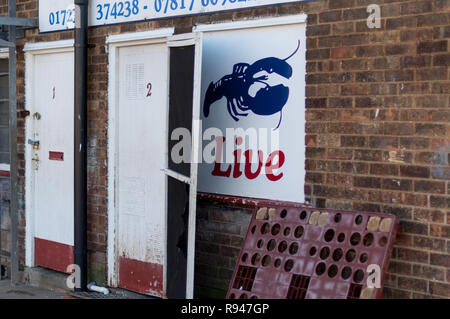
x,y
37,115
35,144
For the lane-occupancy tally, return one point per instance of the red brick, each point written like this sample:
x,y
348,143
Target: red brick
x,y
410,227
369,51
420,61
416,7
339,4
318,30
367,155
432,19
402,22
397,184
432,46
340,102
440,289
398,49
425,186
427,272
433,244
432,101
383,142
399,76
440,231
316,103
355,14
355,167
367,182
433,216
398,129
414,171
384,169
385,63
412,284
440,202
353,141
441,60
368,102
441,260
330,16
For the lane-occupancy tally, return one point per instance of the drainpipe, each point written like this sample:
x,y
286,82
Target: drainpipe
x,y
14,188
80,151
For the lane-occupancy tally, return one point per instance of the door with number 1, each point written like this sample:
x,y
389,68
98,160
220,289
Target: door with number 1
x,y
49,155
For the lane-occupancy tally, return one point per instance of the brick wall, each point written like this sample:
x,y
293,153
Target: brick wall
x,y
377,133
220,233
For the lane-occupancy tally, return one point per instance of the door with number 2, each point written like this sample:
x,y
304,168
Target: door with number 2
x,y
156,89
141,154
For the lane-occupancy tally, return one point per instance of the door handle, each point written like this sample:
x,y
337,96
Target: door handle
x,y
35,144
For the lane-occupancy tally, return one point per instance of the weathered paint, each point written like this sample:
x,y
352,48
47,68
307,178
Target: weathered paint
x,y
114,43
53,255
142,277
141,153
49,186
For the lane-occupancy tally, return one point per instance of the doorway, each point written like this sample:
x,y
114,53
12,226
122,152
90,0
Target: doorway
x,y
151,204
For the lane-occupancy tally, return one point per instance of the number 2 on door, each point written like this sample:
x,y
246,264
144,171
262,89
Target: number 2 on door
x,y
149,87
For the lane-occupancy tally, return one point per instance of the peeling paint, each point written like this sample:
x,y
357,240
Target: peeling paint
x,y
141,277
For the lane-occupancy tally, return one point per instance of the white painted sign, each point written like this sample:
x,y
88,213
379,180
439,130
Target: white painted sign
x,y
253,112
55,15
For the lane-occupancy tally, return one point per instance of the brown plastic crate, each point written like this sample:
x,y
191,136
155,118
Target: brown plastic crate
x,y
293,252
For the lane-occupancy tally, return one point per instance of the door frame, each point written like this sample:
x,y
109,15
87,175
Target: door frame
x,y
191,39
4,168
32,50
113,44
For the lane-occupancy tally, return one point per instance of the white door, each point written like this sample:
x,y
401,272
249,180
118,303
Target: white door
x,y
152,214
51,163
141,153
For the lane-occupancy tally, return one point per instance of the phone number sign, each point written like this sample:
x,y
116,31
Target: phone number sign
x,y
56,15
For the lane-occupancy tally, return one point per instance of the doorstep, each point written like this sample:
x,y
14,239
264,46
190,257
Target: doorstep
x,y
49,279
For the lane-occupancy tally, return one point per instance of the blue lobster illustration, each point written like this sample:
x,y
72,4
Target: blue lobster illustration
x,y
235,88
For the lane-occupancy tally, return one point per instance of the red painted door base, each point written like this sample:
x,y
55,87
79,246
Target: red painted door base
x,y
52,255
141,277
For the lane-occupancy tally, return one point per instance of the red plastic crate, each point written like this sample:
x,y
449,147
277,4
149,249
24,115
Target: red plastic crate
x,y
293,252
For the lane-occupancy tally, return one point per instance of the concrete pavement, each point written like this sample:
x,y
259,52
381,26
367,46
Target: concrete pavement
x,y
22,291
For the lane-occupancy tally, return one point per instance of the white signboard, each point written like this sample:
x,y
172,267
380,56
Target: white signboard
x,y
55,15
253,112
